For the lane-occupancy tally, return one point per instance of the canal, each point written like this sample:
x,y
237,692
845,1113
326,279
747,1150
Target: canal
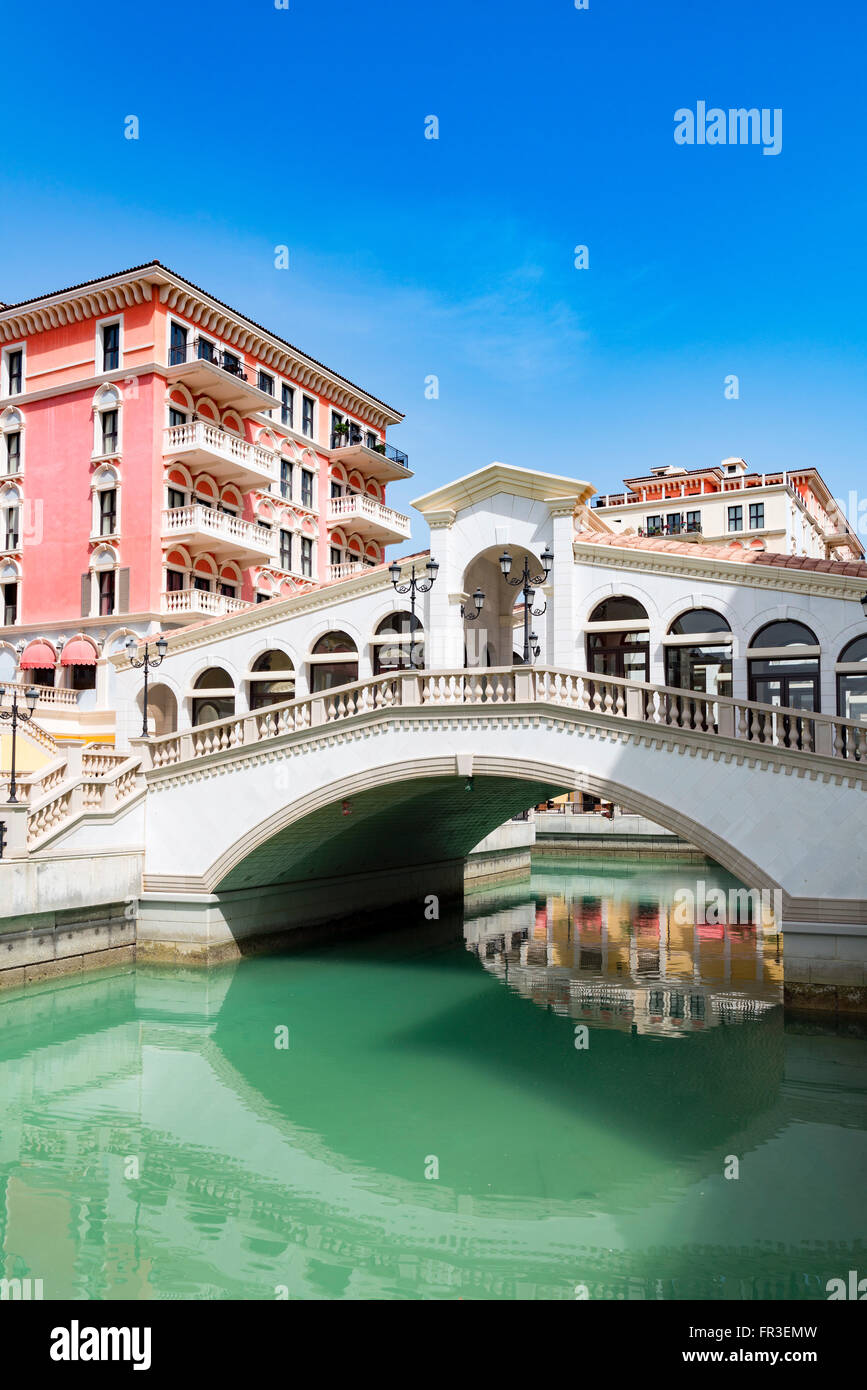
x,y
571,1092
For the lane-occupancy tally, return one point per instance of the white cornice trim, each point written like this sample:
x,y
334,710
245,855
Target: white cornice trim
x,y
782,578
503,477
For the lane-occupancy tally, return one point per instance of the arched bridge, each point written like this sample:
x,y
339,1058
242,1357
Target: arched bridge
x,y
375,792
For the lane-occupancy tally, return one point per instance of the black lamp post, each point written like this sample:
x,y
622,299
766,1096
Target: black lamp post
x,y
17,716
864,604
479,601
528,589
414,585
146,663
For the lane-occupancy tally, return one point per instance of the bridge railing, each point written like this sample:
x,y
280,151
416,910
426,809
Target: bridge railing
x,y
610,696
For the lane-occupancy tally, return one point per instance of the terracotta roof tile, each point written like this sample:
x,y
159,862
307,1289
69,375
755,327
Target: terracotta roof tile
x,y
734,551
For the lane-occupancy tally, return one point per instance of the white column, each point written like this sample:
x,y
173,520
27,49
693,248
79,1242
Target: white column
x,y
444,636
562,626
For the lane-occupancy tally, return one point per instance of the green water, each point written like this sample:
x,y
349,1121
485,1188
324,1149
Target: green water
x,y
432,1130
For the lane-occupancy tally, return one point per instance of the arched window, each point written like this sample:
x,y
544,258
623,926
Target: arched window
x,y
103,565
9,581
333,661
12,442
271,680
778,676
106,422
852,681
106,517
698,652
617,639
398,644
10,518
214,696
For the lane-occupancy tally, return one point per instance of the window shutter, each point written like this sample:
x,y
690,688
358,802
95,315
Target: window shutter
x,y
123,591
85,595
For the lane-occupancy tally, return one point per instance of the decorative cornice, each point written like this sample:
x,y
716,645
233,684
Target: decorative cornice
x,y
783,579
502,477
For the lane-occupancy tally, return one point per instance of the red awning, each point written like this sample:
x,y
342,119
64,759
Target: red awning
x,y
78,653
37,657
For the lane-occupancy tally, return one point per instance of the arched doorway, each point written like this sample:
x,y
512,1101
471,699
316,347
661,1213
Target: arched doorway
x,y
398,644
784,666
333,661
496,637
162,710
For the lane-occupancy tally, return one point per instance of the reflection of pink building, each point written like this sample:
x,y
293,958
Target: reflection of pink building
x,y
179,461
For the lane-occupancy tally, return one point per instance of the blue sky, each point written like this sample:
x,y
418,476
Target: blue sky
x,y
411,257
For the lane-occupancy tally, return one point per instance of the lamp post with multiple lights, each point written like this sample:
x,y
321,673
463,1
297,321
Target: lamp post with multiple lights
x,y
146,663
528,585
17,716
414,585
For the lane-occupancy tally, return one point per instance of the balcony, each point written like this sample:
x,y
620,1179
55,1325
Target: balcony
x,y
384,462
223,455
345,570
206,371
221,533
198,602
368,517
688,531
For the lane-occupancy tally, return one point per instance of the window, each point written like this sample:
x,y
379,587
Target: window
x,y
335,555
227,589
174,581
286,478
9,602
110,347
266,383
176,498
232,363
790,681
623,651
13,361
673,523
177,344
307,407
333,661
371,440
398,644
757,516
693,521
705,666
306,488
177,417
108,422
654,526
201,583
285,550
306,557
287,406
262,598
736,518
214,696
13,451
852,682
10,527
272,680
106,593
205,350
336,489
108,512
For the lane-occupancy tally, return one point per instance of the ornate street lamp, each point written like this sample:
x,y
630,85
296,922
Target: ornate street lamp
x,y
479,601
146,663
22,716
414,585
528,589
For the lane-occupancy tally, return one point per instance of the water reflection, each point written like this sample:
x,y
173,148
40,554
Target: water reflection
x,y
155,1144
611,946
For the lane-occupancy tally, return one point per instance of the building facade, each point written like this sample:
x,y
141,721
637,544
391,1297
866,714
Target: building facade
x,y
791,512
163,460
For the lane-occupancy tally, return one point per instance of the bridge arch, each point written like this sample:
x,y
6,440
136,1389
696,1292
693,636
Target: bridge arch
x,y
383,810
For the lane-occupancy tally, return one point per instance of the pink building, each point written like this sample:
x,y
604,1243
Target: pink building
x,y
165,459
